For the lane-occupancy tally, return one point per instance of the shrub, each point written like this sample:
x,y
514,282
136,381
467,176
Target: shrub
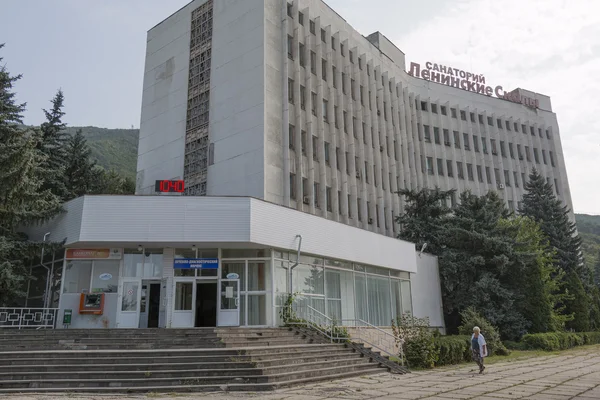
x,y
421,351
553,341
470,319
510,345
453,349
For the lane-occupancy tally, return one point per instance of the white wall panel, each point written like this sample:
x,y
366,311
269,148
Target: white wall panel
x,y
426,290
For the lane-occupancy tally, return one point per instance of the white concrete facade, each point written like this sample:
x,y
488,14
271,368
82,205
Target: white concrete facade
x,y
334,131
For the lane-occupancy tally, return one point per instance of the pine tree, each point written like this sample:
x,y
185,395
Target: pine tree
x,y
22,199
478,265
540,204
81,173
424,216
54,146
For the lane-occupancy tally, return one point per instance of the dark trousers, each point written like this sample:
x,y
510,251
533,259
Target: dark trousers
x,y
478,358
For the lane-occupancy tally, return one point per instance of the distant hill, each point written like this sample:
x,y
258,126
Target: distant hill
x,y
589,229
112,148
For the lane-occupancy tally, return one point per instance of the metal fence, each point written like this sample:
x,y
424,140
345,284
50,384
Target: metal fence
x,y
28,318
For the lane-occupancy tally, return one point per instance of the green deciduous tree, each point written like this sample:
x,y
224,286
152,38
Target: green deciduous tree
x,y
22,199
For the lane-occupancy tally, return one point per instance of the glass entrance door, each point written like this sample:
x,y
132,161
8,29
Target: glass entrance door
x,y
229,303
128,315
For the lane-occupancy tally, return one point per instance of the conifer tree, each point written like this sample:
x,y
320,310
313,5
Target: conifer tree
x,y
22,199
54,146
541,204
81,173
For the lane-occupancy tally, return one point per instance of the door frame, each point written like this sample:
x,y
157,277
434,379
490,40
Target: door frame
x,y
127,315
237,302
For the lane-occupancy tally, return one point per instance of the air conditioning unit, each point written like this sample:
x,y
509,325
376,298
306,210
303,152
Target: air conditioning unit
x,y
494,152
447,143
501,186
378,113
306,200
357,175
381,148
371,221
520,157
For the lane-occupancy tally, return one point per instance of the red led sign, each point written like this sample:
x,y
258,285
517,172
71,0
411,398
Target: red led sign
x,y
169,186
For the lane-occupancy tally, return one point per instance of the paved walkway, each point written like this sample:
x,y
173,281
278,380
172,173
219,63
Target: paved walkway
x,y
571,375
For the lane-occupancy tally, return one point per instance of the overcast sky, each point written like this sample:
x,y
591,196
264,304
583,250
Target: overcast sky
x,y
94,51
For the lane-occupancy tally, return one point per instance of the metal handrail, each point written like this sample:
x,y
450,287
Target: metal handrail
x,y
310,317
28,317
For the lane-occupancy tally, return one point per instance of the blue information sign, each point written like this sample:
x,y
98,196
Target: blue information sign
x,y
196,263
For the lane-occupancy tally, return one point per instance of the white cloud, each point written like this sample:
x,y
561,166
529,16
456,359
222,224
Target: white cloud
x,y
548,46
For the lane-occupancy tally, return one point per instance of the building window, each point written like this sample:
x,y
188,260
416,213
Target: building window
x,y
463,115
429,164
523,180
519,153
540,132
292,136
536,156
523,128
427,133
490,121
301,18
347,163
313,100
351,57
532,130
301,55
516,127
499,123
338,154
354,127
328,198
332,43
551,159
480,116
472,117
497,176
484,145
303,141
366,172
502,149
494,148
323,36
470,172
434,108
326,153
453,112
290,11
312,27
305,193
511,150
303,97
488,175
556,187
339,194
349,207
440,166
345,121
547,133
516,179
364,132
507,177
479,174
342,50
511,205
334,76
325,108
436,134
344,82
315,148
313,62
476,143
459,170
443,110
316,194
290,47
466,141
449,168
353,89
456,139
335,116
324,69
446,137
507,125
360,63
291,91
358,209
292,186
527,153
424,106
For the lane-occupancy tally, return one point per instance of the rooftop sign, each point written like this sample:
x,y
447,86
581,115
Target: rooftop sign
x,y
467,81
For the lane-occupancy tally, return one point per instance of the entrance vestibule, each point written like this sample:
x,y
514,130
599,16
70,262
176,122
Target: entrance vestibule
x,y
206,304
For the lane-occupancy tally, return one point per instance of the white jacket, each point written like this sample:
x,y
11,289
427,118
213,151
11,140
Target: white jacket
x,y
481,340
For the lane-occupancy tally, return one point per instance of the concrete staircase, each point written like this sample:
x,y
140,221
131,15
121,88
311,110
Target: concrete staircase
x,y
172,360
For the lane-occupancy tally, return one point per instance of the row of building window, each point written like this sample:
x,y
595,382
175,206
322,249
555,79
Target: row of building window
x,y
490,121
437,139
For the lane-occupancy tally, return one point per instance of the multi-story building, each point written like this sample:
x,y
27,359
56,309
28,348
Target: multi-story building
x,y
285,101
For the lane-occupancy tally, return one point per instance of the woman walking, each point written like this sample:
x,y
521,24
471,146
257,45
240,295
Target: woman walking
x,y
479,348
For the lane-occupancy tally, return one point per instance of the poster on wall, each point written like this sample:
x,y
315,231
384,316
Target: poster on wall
x,y
94,254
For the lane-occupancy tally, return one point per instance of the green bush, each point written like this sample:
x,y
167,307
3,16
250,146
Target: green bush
x,y
515,345
553,341
453,349
421,351
470,319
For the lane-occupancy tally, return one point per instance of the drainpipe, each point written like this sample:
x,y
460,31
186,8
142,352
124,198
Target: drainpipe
x,y
296,263
47,269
